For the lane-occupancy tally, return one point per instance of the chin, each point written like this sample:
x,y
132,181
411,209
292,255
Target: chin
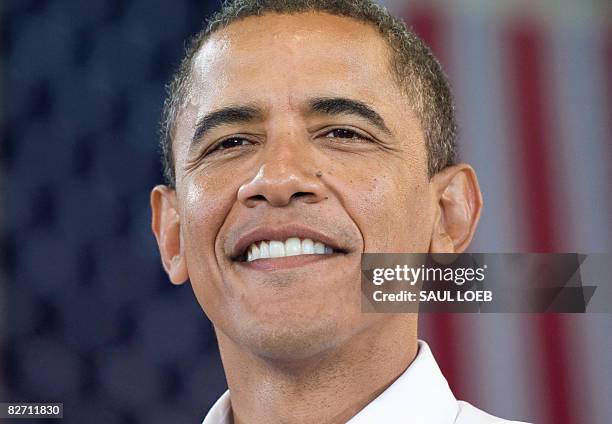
x,y
287,340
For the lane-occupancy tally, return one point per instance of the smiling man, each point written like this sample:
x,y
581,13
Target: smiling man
x,y
297,135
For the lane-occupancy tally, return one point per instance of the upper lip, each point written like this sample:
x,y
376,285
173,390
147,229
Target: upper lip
x,y
281,233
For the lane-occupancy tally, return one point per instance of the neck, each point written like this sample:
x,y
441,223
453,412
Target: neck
x,y
330,387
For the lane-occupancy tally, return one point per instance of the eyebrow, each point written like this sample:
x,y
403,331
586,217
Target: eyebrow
x,y
344,106
225,116
323,105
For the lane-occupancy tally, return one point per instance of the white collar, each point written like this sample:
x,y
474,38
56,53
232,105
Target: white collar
x,y
421,394
221,411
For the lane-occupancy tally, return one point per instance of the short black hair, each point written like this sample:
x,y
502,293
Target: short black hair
x,y
413,65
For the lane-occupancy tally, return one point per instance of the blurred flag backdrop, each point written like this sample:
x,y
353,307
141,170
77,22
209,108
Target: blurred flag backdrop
x,y
533,84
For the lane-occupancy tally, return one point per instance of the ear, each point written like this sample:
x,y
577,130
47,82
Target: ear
x,y
166,225
458,205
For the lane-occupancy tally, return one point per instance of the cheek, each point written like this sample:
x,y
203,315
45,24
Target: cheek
x,y
206,202
391,208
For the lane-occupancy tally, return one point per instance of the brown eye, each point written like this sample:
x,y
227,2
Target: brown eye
x,y
346,134
232,142
343,133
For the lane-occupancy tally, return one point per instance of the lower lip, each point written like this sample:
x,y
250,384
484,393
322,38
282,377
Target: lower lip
x,y
286,262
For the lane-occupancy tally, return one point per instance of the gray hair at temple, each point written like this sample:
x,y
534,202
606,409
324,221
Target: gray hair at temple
x,y
413,66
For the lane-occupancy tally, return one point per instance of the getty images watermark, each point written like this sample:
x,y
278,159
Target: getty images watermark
x,y
481,282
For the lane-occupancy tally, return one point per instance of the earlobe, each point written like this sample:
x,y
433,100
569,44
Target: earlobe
x,y
166,226
459,203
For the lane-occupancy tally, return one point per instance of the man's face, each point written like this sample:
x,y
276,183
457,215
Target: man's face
x,y
314,140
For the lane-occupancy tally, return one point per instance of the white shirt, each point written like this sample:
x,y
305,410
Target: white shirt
x,y
420,395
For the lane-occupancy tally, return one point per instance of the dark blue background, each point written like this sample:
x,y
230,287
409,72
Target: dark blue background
x,y
92,319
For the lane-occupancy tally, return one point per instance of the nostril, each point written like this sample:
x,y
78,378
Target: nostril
x,y
254,200
301,194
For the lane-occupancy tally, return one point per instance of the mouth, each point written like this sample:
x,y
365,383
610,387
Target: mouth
x,y
267,244
293,246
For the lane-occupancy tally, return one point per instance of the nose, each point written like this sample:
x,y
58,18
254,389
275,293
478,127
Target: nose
x,y
286,174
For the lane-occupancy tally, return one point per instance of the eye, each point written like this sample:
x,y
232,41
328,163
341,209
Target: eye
x,y
231,142
345,133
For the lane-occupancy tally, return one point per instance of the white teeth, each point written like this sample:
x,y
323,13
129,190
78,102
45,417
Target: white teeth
x,y
277,249
307,247
293,246
264,250
254,251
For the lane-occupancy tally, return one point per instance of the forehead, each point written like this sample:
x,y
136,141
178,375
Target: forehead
x,y
291,57
294,28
